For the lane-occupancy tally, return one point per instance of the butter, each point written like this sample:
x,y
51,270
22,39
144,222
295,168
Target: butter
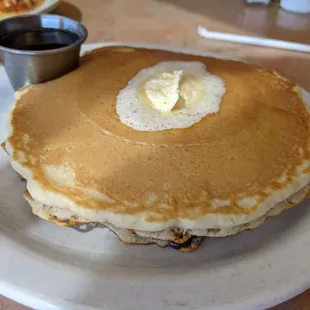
x,y
169,95
192,90
169,90
163,90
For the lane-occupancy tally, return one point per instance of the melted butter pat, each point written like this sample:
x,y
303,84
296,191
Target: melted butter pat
x,y
163,90
192,90
169,95
169,91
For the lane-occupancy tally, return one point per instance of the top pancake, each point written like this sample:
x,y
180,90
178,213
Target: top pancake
x,y
228,169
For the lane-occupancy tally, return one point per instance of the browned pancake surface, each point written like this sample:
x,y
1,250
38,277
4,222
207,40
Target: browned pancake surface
x,y
260,133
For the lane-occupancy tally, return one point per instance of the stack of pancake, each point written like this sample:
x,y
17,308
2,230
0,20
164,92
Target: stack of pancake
x,y
224,174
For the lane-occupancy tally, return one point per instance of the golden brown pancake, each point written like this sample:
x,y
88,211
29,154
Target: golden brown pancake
x,y
229,169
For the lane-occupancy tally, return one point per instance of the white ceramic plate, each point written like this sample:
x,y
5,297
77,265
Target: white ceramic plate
x,y
47,6
48,267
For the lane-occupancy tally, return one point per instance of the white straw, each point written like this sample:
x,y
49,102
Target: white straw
x,y
222,36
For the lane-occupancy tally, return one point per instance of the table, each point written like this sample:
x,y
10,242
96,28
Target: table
x,y
174,22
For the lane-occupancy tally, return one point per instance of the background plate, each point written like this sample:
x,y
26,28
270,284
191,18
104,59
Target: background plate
x,y
47,6
49,267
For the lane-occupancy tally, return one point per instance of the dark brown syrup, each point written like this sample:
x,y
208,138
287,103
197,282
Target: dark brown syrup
x,y
39,40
